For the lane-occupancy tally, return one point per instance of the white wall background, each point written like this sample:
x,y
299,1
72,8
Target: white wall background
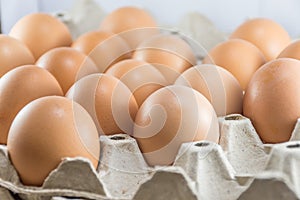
x,y
226,14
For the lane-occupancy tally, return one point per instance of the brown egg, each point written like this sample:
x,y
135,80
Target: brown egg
x,y
67,65
41,32
20,86
239,57
270,37
88,41
140,77
168,53
109,102
169,117
46,131
13,53
291,51
218,85
103,48
272,99
132,23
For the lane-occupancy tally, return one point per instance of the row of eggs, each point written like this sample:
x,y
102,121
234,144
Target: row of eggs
x,y
130,78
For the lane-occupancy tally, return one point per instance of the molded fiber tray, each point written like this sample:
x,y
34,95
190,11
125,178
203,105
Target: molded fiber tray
x,y
241,167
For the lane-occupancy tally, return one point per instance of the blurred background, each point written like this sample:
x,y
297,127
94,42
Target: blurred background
x,y
226,15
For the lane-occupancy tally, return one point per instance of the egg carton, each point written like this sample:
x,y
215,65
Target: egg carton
x,y
240,167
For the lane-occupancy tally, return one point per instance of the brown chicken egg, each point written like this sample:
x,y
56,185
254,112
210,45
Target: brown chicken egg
x,y
291,51
270,37
170,54
20,86
41,32
67,65
131,23
272,99
13,53
46,131
140,77
239,57
169,117
88,41
109,102
218,85
103,48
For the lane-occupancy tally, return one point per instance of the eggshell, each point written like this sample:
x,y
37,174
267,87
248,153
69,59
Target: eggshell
x,y
239,57
67,65
46,131
20,86
272,99
269,36
168,53
109,102
140,77
218,85
131,23
88,41
169,117
41,32
13,53
291,51
103,48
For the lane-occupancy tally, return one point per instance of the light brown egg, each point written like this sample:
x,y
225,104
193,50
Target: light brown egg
x,y
272,99
20,86
218,85
140,77
13,53
291,51
103,48
169,117
270,37
88,41
239,57
41,32
46,131
131,23
168,53
109,102
67,65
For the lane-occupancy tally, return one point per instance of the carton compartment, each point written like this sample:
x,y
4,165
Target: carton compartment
x,y
240,167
